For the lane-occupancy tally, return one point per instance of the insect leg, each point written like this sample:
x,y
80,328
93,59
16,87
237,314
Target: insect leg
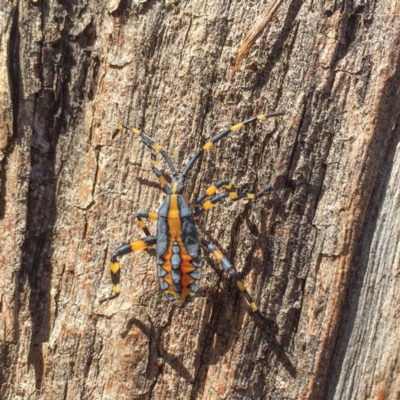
x,y
234,196
161,178
121,251
228,267
211,142
153,161
146,214
155,149
211,190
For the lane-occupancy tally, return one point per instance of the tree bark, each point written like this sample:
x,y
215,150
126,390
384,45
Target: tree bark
x,y
319,254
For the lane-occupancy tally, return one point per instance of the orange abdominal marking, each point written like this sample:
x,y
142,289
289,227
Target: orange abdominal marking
x,y
174,224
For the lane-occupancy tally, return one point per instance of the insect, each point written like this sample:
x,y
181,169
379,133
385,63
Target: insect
x,y
177,241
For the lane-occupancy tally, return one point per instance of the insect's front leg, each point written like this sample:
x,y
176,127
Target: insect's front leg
x,y
231,195
211,190
228,267
146,214
121,251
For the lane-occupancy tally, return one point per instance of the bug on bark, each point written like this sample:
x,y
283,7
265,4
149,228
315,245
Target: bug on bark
x,y
177,241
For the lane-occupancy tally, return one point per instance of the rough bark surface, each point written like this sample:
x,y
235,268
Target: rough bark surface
x,y
320,254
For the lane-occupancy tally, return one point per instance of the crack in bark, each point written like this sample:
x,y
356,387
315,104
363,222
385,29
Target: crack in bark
x,y
14,79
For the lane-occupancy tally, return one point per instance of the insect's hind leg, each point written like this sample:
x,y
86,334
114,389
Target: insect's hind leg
x,y
121,251
228,267
146,214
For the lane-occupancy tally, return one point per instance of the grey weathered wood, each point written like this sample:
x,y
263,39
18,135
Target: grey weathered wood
x,y
319,254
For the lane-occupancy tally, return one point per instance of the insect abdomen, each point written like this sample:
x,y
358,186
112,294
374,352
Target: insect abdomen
x,y
178,251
